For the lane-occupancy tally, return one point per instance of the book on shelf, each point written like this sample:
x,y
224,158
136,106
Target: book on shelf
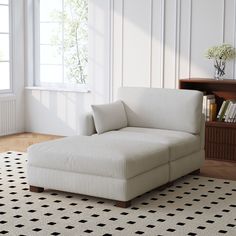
x,y
220,116
227,112
223,109
232,112
233,119
207,101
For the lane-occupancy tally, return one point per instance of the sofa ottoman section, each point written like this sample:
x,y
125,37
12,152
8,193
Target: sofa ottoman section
x,y
98,166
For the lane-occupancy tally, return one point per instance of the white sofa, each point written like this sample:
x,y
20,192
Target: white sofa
x,y
163,140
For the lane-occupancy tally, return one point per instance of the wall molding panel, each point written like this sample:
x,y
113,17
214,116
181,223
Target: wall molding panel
x,y
151,44
158,38
190,37
177,41
111,49
234,42
137,33
223,21
171,37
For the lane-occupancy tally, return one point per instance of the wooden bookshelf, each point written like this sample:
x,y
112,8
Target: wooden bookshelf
x,y
220,137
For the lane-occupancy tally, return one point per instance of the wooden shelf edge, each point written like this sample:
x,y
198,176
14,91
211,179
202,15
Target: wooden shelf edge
x,y
220,124
219,159
208,80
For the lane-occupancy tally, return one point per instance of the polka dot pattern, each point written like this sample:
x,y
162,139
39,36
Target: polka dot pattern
x,y
192,206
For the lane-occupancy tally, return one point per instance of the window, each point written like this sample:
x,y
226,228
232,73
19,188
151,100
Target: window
x,y
5,62
61,43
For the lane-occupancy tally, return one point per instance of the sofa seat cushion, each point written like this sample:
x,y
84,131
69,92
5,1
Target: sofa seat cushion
x,y
99,155
180,143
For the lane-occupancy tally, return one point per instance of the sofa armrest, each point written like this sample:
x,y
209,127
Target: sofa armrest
x,y
86,124
202,132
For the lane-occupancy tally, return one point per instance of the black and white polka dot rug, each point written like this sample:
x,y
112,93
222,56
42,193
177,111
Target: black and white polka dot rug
x,y
193,206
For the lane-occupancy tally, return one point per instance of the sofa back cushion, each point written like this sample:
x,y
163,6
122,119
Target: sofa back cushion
x,y
171,109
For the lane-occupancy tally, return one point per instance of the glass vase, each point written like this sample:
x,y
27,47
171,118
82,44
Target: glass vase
x,y
219,66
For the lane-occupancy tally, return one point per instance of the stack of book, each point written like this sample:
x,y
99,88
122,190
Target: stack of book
x,y
207,101
227,112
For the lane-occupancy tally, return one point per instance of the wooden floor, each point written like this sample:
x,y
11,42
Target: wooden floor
x,y
20,142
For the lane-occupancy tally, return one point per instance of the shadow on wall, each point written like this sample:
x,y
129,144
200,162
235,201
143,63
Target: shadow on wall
x,y
99,60
58,113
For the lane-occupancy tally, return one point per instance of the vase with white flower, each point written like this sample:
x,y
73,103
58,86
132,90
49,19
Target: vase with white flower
x,y
220,54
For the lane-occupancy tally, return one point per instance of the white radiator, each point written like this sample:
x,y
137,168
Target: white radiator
x,y
7,115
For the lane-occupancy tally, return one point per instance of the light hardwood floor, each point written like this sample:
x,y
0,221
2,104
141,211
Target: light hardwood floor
x,y
20,142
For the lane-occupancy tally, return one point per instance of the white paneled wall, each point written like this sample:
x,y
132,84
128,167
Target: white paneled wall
x,y
136,32
156,42
149,43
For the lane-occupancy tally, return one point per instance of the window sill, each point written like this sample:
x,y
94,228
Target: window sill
x,y
7,95
79,90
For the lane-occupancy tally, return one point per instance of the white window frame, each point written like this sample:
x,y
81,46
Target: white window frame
x,y
10,90
36,38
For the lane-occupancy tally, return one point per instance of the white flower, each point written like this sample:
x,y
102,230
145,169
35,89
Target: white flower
x,y
223,52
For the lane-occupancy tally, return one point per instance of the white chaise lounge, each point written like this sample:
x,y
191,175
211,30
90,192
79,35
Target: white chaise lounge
x,y
162,140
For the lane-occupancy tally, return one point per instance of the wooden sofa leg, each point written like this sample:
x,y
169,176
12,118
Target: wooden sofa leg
x,y
123,204
36,189
196,172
